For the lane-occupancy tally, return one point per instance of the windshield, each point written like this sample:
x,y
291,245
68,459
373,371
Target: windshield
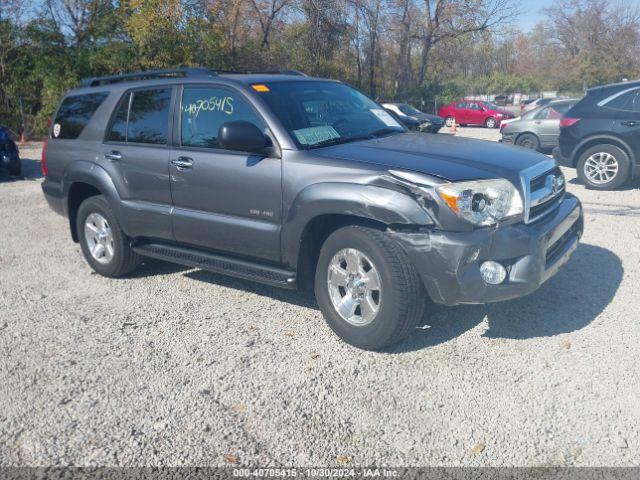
x,y
325,113
408,109
491,106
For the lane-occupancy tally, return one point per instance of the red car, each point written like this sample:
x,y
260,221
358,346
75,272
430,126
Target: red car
x,y
474,112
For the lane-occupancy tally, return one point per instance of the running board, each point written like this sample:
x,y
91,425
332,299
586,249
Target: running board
x,y
248,270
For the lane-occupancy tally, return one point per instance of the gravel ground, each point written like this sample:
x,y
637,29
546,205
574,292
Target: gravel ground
x,y
177,366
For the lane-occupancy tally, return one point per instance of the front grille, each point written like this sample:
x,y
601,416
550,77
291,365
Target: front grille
x,y
539,189
543,208
538,182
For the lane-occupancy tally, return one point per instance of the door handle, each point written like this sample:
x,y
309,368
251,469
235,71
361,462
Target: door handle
x,y
113,156
630,123
182,163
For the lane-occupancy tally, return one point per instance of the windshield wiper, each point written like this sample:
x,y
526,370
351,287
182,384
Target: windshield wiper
x,y
385,131
369,136
339,140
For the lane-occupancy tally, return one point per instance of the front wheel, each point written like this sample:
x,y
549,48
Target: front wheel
x,y
16,171
449,121
103,243
604,167
490,122
368,291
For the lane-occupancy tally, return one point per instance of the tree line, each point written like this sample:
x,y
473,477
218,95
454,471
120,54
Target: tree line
x,y
417,50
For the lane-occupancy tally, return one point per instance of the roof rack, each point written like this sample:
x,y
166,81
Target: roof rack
x,y
148,75
279,72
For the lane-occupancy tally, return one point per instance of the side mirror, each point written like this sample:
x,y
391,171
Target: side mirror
x,y
241,135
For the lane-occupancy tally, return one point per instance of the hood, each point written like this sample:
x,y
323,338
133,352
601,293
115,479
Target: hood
x,y
505,113
426,117
445,156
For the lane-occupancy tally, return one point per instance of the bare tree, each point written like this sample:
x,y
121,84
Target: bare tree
x,y
597,41
77,18
268,11
372,12
450,19
327,27
11,15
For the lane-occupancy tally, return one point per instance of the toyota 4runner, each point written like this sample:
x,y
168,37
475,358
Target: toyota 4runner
x,y
304,183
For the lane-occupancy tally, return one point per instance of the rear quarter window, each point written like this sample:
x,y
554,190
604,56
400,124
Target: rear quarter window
x,y
74,114
627,101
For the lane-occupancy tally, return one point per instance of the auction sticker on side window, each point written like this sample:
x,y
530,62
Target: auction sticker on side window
x,y
385,117
313,135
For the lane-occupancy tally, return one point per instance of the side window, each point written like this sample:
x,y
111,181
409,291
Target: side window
x,y
461,105
629,101
204,109
563,108
474,106
554,113
635,104
118,131
74,114
149,116
543,114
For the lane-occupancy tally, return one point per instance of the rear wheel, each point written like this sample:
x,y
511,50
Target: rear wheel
x,y
528,140
104,245
490,122
448,121
604,167
367,290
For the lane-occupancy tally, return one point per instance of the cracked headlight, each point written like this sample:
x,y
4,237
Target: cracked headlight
x,y
482,202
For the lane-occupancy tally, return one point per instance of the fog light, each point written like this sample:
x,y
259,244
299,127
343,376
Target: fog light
x,y
492,272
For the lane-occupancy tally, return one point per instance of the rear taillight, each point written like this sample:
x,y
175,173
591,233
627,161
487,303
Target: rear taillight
x,y
568,121
43,163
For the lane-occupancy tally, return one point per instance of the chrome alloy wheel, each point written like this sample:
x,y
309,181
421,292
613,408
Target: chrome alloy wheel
x,y
99,238
491,122
354,287
601,168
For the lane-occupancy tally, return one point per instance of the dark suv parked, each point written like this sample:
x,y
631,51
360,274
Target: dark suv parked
x,y
600,136
9,154
303,183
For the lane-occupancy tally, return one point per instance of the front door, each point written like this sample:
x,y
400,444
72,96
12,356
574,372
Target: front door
x,y
226,201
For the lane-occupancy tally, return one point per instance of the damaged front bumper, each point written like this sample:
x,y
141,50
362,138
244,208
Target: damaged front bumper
x,y
449,262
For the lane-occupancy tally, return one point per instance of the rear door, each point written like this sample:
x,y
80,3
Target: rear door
x,y
626,118
227,201
547,126
137,153
476,113
461,114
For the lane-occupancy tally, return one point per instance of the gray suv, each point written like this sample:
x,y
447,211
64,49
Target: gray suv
x,y
303,183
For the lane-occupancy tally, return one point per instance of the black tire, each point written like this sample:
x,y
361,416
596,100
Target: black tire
x,y
402,296
16,171
448,121
490,122
528,140
618,155
124,259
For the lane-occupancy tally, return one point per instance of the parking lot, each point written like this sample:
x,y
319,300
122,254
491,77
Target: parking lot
x,y
176,366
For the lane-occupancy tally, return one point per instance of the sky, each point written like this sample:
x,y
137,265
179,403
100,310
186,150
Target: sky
x,y
531,13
